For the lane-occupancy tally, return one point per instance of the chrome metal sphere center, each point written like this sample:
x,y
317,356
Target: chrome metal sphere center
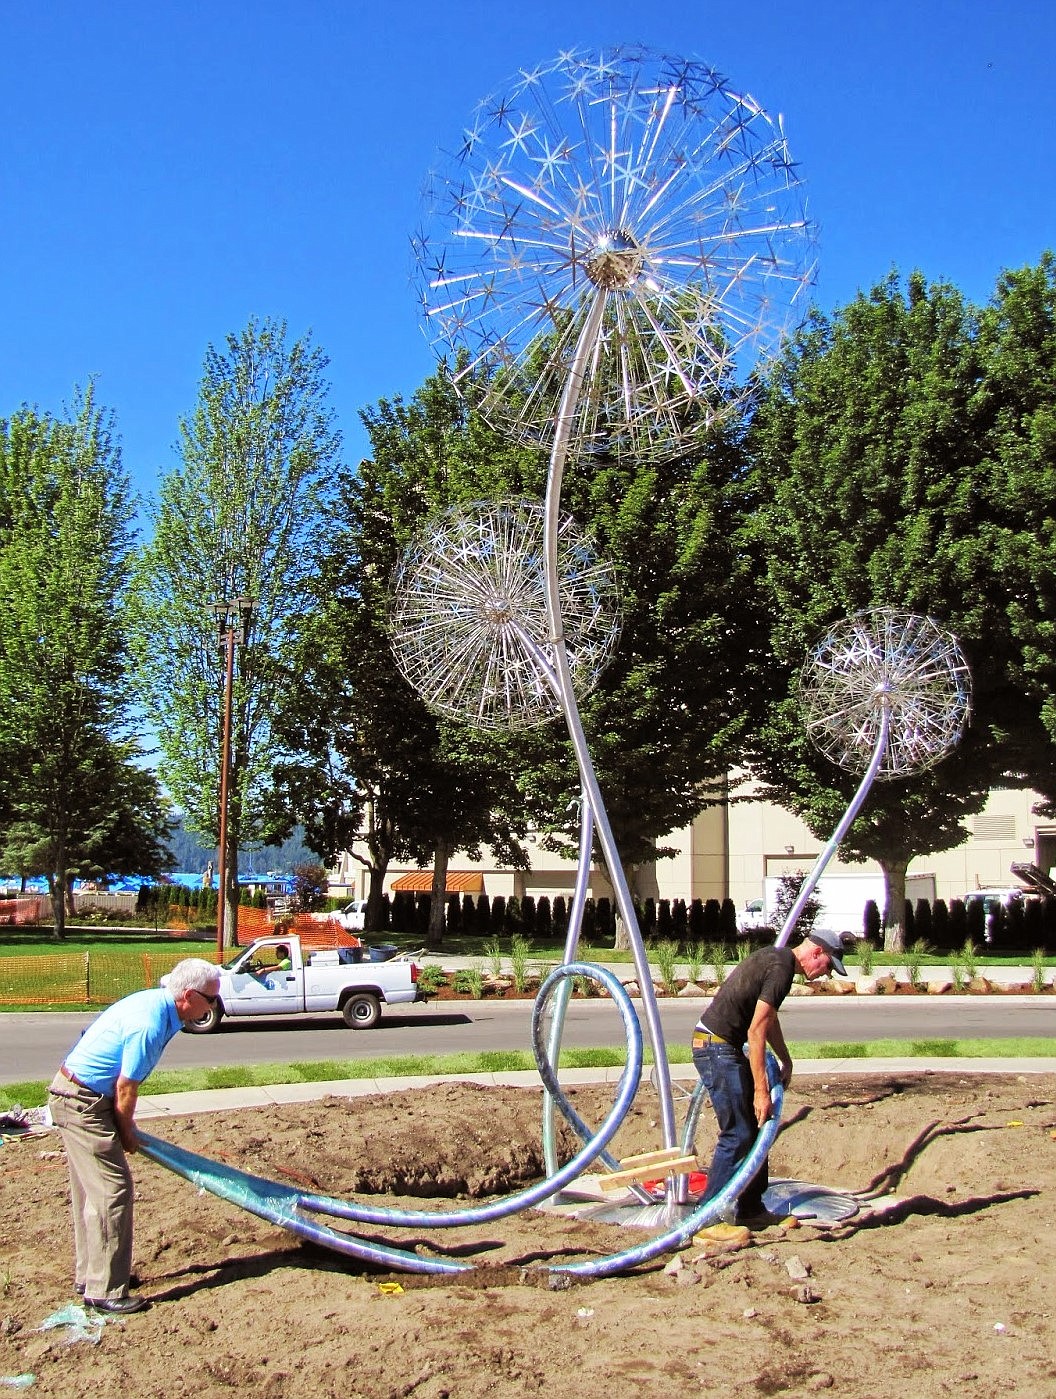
x,y
616,261
498,610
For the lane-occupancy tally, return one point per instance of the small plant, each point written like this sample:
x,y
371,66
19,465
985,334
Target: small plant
x,y
665,954
585,986
694,960
717,953
519,950
968,960
957,971
470,981
1037,970
542,970
431,978
912,962
493,952
866,952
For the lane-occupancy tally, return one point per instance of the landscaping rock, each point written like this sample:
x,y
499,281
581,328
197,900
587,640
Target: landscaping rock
x,y
938,988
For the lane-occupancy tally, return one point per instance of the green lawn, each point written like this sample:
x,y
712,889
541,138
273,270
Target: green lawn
x,y
33,1094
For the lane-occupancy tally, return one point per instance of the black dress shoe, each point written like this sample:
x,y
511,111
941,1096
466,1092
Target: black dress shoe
x,y
117,1306
78,1287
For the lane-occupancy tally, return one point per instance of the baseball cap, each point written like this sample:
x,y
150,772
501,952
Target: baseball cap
x,y
833,945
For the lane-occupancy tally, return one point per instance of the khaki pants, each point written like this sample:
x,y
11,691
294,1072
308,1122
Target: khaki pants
x,y
101,1190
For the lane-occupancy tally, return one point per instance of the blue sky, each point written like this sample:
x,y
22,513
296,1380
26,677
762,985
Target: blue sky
x,y
170,169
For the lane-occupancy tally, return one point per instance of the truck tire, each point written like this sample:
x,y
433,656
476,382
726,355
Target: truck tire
x,y
209,1023
361,1011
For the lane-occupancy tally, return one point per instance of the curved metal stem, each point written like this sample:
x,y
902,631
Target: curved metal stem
x,y
811,881
586,347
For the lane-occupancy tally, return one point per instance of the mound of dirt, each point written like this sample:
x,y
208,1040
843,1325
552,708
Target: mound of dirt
x,y
942,1284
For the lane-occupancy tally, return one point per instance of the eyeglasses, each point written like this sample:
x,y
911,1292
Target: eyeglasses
x,y
205,997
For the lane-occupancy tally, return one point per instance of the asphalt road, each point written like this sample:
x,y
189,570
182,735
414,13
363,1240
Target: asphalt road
x,y
33,1044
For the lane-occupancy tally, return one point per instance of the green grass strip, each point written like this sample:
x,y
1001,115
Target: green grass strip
x,y
34,1093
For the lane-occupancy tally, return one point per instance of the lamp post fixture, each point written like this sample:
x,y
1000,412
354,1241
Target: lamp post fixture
x,y
232,621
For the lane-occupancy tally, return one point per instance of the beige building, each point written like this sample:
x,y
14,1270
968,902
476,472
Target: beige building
x,y
731,850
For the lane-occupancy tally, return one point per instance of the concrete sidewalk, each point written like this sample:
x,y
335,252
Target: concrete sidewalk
x,y
152,1108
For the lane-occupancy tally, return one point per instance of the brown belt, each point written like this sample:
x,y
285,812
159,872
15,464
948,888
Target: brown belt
x,y
74,1079
703,1037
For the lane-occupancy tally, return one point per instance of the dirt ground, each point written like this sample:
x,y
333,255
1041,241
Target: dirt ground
x,y
944,1283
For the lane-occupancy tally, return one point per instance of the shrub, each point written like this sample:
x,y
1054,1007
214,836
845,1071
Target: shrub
x,y
665,954
695,923
468,913
528,914
649,918
664,925
940,925
679,920
560,917
469,981
922,920
483,915
871,922
431,978
728,921
544,923
958,922
453,914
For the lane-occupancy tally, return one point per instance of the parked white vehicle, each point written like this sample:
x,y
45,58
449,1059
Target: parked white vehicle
x,y
351,916
272,978
752,916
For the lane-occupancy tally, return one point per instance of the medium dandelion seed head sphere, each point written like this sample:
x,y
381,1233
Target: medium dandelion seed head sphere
x,y
468,618
886,657
635,176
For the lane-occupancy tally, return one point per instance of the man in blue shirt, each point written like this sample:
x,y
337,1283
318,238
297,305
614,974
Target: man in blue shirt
x,y
93,1102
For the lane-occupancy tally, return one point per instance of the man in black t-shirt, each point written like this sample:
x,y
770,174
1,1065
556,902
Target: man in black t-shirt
x,y
744,1010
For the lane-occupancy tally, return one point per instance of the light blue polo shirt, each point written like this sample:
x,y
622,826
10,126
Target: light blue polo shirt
x,y
126,1041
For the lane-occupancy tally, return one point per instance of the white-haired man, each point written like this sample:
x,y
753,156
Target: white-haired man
x,y
93,1102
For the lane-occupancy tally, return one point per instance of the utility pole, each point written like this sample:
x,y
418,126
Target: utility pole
x,y
232,620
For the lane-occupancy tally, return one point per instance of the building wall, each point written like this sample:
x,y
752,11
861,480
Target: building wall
x,y
730,849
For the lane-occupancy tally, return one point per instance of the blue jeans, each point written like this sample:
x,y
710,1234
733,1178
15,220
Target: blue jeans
x,y
727,1076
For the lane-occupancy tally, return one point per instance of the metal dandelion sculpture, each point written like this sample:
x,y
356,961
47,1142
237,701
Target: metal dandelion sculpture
x,y
886,661
887,691
468,620
631,185
613,243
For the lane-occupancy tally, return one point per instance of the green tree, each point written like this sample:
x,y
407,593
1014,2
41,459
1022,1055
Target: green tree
x,y
1018,347
873,490
367,758
244,515
74,798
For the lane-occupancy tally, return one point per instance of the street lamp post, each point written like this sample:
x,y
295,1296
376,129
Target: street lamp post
x,y
232,620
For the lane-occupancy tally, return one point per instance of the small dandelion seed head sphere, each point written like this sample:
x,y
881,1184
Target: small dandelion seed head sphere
x,y
628,175
884,657
468,618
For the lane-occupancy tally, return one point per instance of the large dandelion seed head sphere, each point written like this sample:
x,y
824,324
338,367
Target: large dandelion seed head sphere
x,y
886,658
628,175
468,619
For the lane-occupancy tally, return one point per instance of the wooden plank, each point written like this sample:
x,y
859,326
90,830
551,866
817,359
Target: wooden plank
x,y
679,1166
651,1158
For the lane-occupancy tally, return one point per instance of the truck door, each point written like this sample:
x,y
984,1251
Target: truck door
x,y
261,986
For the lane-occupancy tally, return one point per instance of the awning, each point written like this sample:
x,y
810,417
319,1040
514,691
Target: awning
x,y
421,882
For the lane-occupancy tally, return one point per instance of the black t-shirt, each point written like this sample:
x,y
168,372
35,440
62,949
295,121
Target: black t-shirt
x,y
764,976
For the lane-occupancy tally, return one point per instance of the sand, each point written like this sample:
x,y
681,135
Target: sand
x,y
944,1283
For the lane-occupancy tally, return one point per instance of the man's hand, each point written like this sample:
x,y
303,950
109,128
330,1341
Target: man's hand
x,y
126,1094
786,1072
764,1108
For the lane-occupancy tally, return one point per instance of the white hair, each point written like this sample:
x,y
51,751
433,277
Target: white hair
x,y
192,974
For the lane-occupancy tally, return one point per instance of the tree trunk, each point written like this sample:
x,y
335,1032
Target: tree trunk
x,y
622,941
894,904
435,937
57,891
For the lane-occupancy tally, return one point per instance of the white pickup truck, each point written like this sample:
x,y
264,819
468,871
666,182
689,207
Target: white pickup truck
x,y
272,978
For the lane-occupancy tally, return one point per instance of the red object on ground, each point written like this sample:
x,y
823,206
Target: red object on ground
x,y
698,1182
